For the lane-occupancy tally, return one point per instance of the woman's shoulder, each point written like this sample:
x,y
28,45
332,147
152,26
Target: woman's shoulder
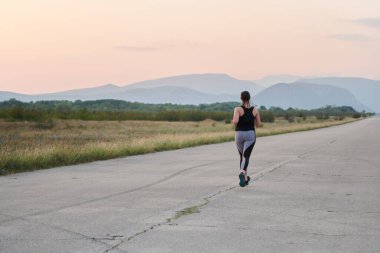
x,y
255,110
239,110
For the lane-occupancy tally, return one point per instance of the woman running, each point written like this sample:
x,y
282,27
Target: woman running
x,y
246,117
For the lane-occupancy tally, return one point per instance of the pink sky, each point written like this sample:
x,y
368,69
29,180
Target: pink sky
x,y
48,46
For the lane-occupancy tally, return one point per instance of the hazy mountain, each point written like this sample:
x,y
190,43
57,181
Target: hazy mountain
x,y
306,96
365,90
105,91
163,94
207,83
274,79
194,89
170,94
6,95
211,88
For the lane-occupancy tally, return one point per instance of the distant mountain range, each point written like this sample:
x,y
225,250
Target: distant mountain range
x,y
185,89
365,90
216,84
307,96
291,91
274,79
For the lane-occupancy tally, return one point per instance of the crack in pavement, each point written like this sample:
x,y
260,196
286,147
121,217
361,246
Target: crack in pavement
x,y
24,217
208,198
82,236
168,220
108,196
273,168
98,240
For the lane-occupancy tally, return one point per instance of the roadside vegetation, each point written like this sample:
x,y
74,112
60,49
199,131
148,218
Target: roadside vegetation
x,y
35,138
13,110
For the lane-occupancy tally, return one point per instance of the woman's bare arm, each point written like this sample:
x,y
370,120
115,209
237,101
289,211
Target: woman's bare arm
x,y
257,117
235,119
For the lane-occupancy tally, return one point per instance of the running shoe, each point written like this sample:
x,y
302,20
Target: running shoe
x,y
248,179
242,179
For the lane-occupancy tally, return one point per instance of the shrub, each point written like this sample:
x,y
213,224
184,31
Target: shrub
x,y
267,116
340,117
321,116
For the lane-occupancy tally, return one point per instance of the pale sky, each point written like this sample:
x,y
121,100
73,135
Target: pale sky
x,y
48,46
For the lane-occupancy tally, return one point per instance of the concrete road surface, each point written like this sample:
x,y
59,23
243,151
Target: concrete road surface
x,y
314,191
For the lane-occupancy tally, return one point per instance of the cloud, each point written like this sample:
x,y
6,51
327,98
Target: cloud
x,y
350,37
137,49
369,22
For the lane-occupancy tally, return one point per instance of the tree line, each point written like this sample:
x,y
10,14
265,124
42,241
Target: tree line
x,y
109,109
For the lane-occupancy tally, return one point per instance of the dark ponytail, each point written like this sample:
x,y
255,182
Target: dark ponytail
x,y
245,96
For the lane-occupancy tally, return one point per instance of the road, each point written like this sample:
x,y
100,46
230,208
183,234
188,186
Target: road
x,y
313,191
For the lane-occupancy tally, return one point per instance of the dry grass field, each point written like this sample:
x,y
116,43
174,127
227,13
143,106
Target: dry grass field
x,y
26,146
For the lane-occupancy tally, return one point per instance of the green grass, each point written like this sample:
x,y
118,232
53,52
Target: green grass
x,y
187,211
